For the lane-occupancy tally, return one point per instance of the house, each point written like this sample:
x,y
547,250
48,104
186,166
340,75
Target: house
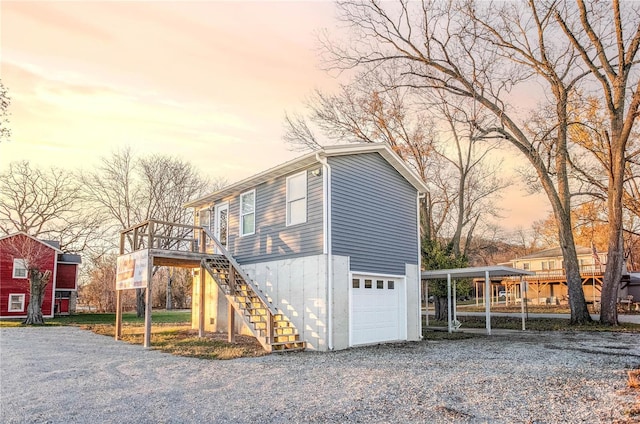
x,y
61,292
330,238
549,285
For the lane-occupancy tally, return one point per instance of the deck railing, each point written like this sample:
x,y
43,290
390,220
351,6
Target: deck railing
x,y
162,235
155,234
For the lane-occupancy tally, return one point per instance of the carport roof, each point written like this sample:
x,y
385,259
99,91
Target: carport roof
x,y
474,272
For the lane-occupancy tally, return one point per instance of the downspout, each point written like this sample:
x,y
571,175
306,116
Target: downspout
x,y
326,186
418,198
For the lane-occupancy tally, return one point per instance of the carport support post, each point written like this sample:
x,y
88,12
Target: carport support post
x,y
455,303
148,300
450,324
487,304
522,301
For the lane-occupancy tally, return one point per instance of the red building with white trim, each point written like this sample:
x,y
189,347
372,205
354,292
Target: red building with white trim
x,y
61,292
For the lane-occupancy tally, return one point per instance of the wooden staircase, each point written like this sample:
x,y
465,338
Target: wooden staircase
x,y
271,328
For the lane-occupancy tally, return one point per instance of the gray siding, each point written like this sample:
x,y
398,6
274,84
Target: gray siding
x,y
373,215
273,239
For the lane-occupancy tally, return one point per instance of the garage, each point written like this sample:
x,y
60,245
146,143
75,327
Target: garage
x,y
377,309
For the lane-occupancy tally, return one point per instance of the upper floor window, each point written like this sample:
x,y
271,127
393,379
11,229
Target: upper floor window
x,y
16,302
248,213
297,198
525,265
19,268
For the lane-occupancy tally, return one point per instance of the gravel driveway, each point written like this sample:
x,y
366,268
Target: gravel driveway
x,y
68,375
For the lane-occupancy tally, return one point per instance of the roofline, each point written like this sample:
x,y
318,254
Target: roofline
x,y
474,272
32,238
312,158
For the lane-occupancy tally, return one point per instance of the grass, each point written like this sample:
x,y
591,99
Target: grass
x,y
171,332
535,324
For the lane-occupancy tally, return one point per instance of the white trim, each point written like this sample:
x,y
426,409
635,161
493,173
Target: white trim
x,y
21,264
241,215
309,159
216,223
418,197
288,200
32,238
21,304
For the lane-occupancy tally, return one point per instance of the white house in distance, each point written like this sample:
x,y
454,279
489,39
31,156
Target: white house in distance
x,y
549,284
331,239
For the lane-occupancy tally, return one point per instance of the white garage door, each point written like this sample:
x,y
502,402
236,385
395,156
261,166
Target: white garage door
x,y
378,310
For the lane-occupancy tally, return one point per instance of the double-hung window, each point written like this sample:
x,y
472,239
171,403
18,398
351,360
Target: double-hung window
x,y
16,303
297,198
248,213
19,268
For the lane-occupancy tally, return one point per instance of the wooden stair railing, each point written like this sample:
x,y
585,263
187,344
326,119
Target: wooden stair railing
x,y
274,331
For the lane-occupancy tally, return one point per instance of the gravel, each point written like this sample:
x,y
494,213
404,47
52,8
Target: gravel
x,y
69,375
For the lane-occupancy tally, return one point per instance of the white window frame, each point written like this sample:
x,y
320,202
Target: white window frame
x,y
20,264
21,296
291,200
243,214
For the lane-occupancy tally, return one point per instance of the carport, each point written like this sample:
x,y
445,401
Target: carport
x,y
486,272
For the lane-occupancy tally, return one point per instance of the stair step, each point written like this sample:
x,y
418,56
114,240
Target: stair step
x,y
287,346
286,338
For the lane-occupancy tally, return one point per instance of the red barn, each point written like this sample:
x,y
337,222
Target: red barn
x,y
61,292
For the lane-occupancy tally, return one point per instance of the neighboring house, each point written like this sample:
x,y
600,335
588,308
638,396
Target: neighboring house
x,y
61,292
331,238
549,285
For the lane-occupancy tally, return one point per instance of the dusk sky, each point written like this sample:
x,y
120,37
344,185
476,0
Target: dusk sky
x,y
205,81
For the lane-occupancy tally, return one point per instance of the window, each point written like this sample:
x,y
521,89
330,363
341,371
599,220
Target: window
x,y
19,268
390,285
248,213
552,265
367,284
380,284
355,283
297,198
16,302
204,218
525,265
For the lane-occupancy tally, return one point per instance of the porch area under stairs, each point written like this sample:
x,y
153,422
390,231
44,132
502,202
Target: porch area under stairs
x,y
179,245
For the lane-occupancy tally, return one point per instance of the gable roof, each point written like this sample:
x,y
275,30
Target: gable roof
x,y
32,238
316,157
555,252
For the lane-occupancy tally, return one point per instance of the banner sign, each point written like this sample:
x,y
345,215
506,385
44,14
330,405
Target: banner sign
x,y
132,270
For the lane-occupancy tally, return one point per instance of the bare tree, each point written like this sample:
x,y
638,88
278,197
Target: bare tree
x,y
481,52
368,111
5,102
45,203
36,258
127,190
609,53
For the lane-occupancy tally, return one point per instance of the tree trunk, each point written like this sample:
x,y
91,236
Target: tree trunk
x,y
169,304
140,304
441,308
577,303
615,255
37,283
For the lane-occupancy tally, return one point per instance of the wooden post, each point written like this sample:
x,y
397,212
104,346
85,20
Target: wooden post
x,y
201,302
150,235
119,298
118,314
147,310
231,315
